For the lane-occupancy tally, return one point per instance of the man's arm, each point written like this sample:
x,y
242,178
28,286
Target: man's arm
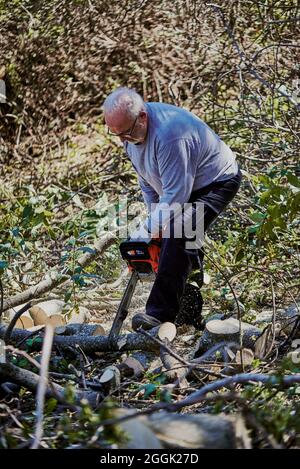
x,y
149,194
151,198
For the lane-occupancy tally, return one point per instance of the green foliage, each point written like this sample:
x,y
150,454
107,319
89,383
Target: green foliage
x,y
279,198
85,428
276,411
154,388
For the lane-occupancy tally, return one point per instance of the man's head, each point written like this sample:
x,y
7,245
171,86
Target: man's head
x,y
126,116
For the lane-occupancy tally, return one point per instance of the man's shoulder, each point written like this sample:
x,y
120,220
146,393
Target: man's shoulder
x,y
171,123
166,110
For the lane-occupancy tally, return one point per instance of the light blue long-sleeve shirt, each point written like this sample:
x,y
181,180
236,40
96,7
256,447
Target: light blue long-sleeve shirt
x,y
180,155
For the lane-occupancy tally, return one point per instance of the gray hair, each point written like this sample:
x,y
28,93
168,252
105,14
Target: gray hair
x,y
124,99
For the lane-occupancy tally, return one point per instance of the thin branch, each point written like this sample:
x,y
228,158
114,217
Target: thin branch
x,y
246,61
1,299
23,354
14,320
200,395
42,386
273,320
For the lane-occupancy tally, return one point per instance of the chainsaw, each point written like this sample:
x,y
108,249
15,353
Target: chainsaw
x,y
142,257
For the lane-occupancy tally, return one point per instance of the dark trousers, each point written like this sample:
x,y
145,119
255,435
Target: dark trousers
x,y
176,262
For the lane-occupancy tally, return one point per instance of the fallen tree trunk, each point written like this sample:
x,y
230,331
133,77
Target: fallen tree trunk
x,y
57,278
199,431
167,430
90,344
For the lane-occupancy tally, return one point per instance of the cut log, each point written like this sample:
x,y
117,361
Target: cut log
x,y
56,320
223,328
217,331
247,355
285,318
167,331
200,431
48,312
148,360
131,367
39,316
110,379
77,315
24,322
41,311
9,314
82,329
174,368
99,330
138,434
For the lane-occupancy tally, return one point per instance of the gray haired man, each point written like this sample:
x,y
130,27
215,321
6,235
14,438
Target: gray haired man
x,y
178,159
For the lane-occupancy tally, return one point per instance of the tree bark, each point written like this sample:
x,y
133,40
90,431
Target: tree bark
x,y
90,344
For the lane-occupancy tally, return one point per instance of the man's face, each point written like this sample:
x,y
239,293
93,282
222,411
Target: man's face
x,y
127,128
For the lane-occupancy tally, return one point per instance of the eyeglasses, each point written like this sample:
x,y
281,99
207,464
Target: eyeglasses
x,y
127,133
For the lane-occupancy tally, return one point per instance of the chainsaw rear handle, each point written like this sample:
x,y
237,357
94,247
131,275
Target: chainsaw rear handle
x,y
141,255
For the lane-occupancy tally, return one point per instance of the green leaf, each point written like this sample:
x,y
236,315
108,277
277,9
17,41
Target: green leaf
x,y
50,405
3,265
149,389
275,210
240,255
264,197
270,130
27,211
78,279
23,362
68,295
257,216
253,229
15,232
87,249
34,340
293,180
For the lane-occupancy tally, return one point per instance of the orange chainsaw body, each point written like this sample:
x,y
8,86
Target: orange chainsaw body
x,y
141,255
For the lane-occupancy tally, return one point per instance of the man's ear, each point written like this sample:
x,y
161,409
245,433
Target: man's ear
x,y
143,116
